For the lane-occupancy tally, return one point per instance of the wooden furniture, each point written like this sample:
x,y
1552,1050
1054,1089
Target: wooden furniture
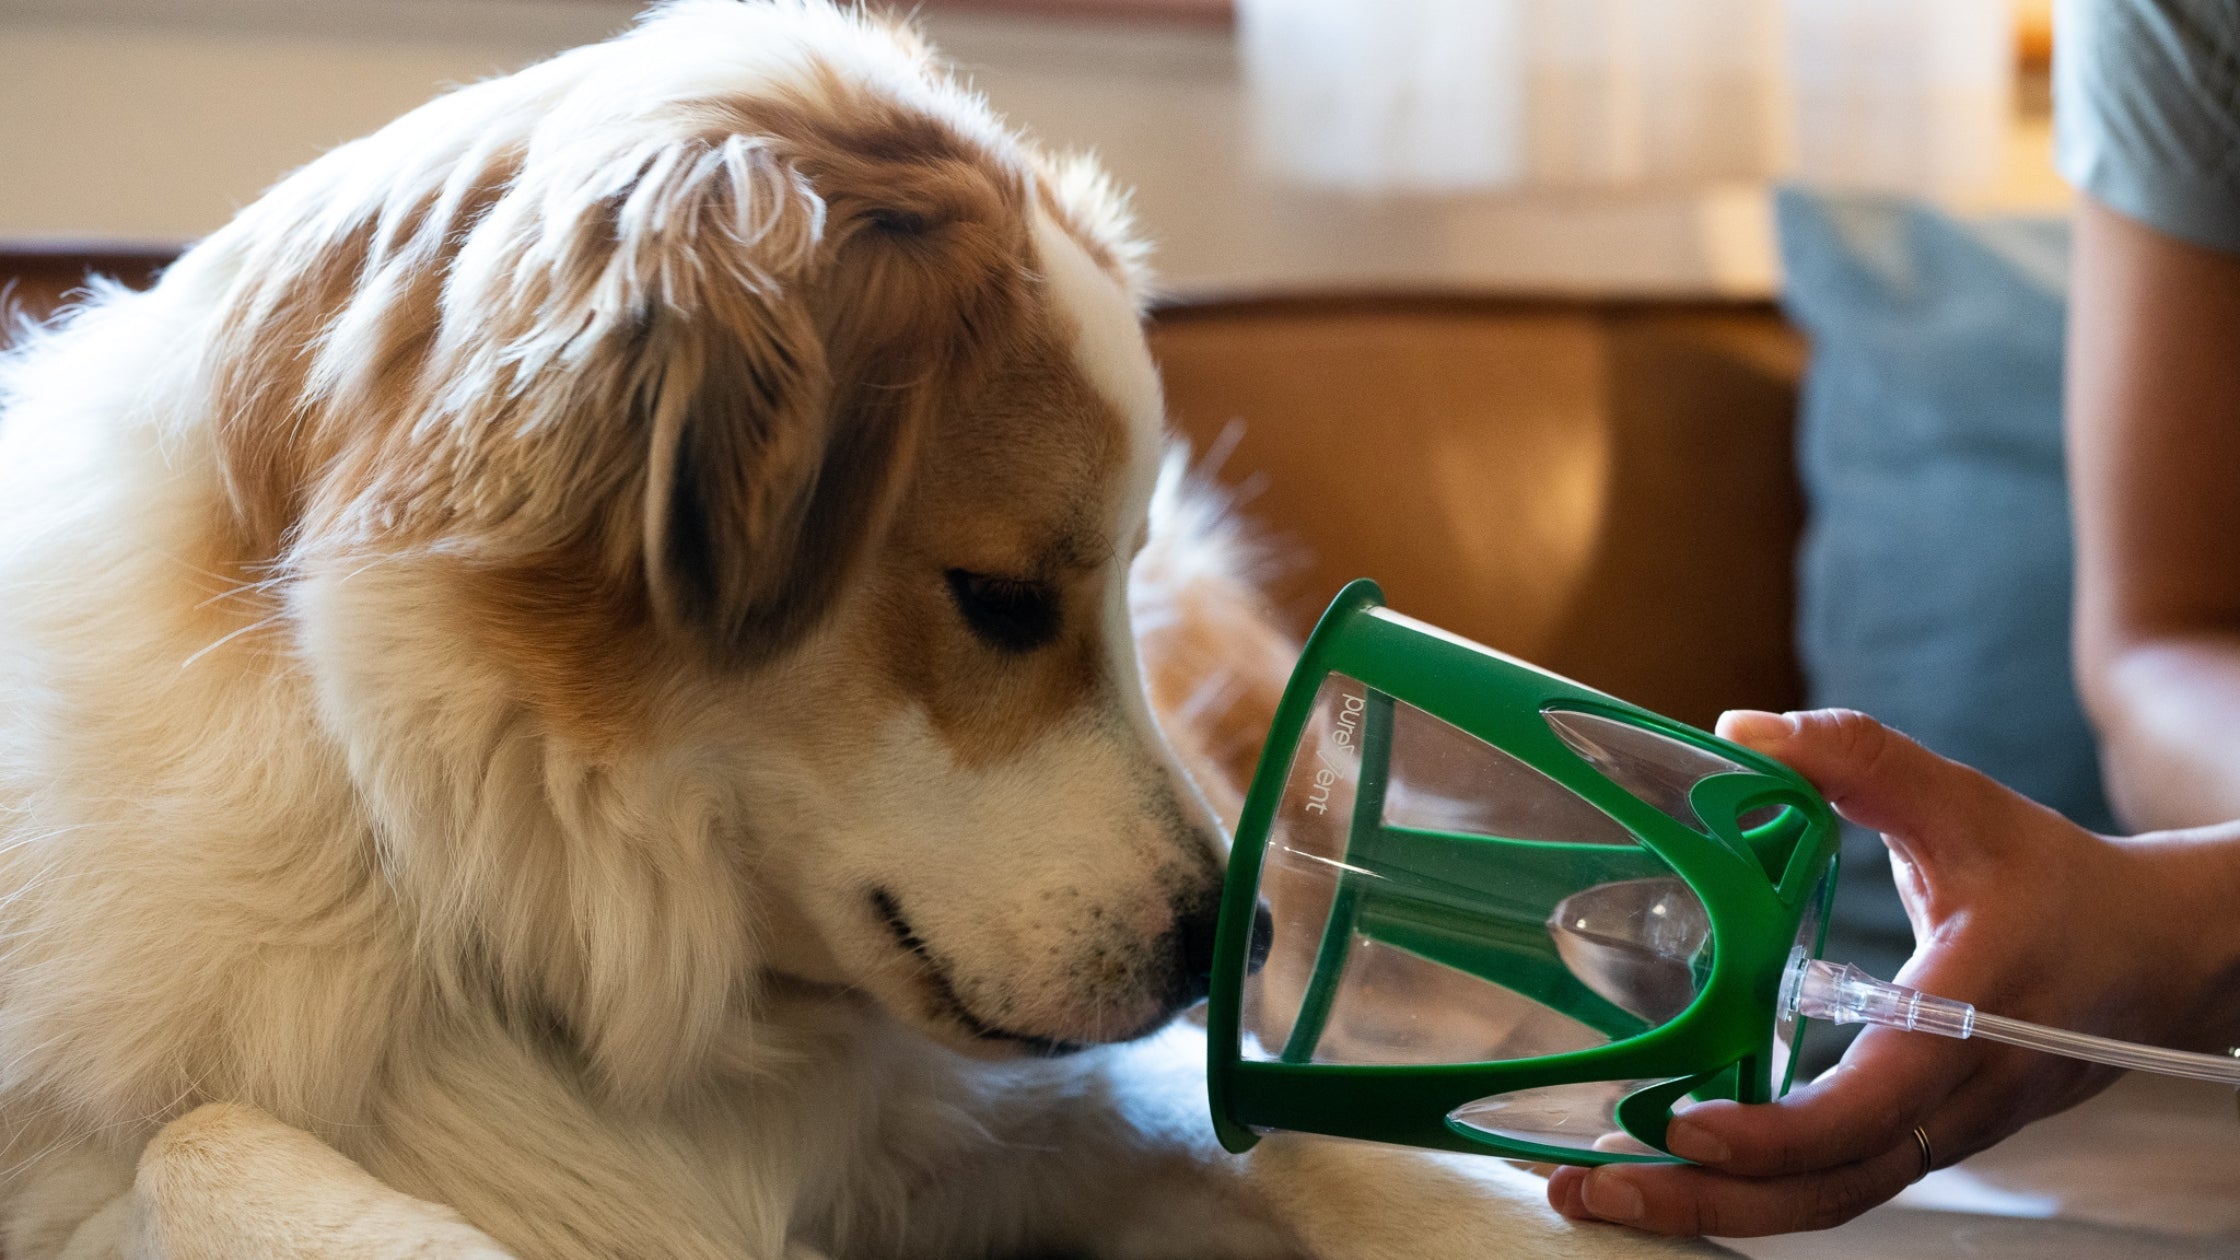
x,y
35,279
1604,488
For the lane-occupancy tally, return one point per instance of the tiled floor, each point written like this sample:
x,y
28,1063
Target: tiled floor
x,y
2150,1169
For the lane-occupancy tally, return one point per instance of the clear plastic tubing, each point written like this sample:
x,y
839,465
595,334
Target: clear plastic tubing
x,y
1843,994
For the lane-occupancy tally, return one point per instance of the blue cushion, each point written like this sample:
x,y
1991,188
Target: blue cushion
x,y
1933,580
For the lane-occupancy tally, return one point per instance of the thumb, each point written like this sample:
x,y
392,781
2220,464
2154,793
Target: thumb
x,y
1876,777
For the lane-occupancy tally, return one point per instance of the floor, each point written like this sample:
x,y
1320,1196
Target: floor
x,y
2150,1169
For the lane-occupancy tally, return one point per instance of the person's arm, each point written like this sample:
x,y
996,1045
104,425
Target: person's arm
x,y
2154,459
2016,910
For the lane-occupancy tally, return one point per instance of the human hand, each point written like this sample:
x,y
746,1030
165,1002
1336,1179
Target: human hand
x,y
2014,909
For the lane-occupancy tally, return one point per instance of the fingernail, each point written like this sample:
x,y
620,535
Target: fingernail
x,y
1566,1193
1750,726
1690,1142
1613,1198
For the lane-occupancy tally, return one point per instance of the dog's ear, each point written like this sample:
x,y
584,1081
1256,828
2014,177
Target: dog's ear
x,y
807,313
691,291
764,481
732,342
731,392
784,425
627,360
758,489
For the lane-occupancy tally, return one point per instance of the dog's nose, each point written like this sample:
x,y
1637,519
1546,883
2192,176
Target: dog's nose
x,y
1263,939
1194,930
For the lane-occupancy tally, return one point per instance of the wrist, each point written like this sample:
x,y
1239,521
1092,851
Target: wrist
x,y
2194,880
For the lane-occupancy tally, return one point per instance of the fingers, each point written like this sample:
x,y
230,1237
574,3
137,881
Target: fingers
x,y
1887,1083
1829,1151
1567,1187
1875,776
1817,1159
1680,1200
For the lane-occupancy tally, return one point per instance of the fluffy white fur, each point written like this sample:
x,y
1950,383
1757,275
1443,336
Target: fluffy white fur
x,y
356,901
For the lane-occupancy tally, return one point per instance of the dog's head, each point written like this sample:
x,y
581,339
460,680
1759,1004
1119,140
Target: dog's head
x,y
709,464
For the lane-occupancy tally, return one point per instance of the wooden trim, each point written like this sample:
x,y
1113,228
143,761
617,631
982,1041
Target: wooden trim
x,y
36,276
1183,310
89,255
1214,14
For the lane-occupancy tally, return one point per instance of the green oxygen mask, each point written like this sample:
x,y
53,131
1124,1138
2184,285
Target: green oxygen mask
x,y
1475,906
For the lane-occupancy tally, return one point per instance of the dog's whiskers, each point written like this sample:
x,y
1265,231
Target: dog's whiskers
x,y
260,623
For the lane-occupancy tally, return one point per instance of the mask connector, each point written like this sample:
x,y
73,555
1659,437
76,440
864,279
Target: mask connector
x,y
1841,993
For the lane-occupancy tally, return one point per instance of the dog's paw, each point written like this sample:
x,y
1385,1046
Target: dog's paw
x,y
1356,1201
229,1182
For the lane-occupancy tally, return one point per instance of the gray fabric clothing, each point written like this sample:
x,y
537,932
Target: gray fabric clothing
x,y
2147,111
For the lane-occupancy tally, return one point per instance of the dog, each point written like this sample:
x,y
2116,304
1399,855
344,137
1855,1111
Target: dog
x,y
567,690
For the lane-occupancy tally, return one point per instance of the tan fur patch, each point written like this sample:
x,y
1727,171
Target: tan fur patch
x,y
1016,484
582,653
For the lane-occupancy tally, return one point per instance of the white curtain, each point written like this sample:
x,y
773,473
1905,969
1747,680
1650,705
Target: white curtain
x,y
1454,95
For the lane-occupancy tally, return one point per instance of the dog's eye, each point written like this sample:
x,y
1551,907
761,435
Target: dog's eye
x,y
899,222
1011,614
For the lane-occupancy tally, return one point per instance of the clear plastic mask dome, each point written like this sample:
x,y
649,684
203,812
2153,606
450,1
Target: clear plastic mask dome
x,y
1435,900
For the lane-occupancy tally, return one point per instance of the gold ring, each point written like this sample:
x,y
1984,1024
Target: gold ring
x,y
1928,1157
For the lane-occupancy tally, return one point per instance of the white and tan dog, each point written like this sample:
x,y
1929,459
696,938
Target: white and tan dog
x,y
566,690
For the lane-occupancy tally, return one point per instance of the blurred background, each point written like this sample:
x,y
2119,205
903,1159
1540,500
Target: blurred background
x,y
1557,145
